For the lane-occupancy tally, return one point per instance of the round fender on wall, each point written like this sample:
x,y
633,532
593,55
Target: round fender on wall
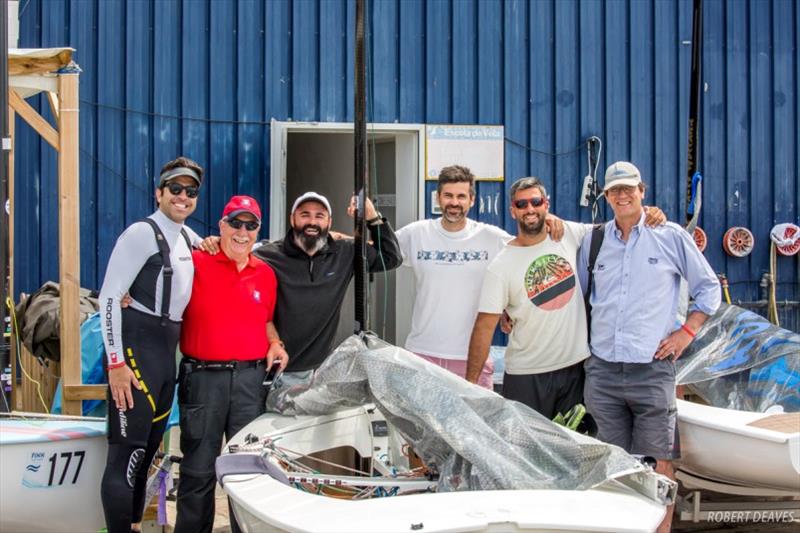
x,y
738,241
700,238
786,238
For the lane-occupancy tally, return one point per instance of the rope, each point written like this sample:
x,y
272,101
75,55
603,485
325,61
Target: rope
x,y
10,305
772,304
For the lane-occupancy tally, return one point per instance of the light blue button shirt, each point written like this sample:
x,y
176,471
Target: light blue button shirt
x,y
636,288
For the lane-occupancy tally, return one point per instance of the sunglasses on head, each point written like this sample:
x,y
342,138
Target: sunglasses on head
x,y
536,201
176,189
249,225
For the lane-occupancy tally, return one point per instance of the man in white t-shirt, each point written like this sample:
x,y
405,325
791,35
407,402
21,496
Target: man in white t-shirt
x,y
534,280
449,256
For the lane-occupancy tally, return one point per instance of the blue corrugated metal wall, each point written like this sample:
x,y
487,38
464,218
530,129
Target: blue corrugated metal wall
x,y
204,78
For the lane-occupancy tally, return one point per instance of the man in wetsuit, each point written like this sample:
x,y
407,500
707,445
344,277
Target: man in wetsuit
x,y
151,262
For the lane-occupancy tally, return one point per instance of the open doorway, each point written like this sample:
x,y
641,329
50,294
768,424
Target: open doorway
x,y
319,157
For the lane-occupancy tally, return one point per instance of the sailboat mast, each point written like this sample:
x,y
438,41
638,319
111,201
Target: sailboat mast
x,y
361,181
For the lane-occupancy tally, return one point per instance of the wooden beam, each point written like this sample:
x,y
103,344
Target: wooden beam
x,y
37,65
69,238
16,397
52,99
36,121
84,392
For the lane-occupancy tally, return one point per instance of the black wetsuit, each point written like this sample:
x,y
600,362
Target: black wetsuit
x,y
145,335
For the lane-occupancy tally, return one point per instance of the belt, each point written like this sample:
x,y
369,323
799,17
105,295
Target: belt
x,y
197,364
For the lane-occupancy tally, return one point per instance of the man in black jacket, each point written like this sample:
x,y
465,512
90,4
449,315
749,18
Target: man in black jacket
x,y
313,272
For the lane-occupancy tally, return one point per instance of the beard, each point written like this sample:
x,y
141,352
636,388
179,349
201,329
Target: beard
x,y
453,217
532,228
310,243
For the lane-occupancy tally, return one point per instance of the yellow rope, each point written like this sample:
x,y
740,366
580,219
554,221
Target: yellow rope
x,y
773,273
10,305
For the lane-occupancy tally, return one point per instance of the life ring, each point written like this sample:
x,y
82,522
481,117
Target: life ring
x,y
700,238
786,238
738,241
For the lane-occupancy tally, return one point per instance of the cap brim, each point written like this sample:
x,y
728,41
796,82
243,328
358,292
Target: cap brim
x,y
234,214
631,182
164,182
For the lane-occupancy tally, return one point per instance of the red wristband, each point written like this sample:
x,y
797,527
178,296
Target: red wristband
x,y
688,330
116,365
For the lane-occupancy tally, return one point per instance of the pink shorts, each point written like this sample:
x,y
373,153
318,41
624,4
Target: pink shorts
x,y
459,368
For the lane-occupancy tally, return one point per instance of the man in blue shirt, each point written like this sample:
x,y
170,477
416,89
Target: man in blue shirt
x,y
634,336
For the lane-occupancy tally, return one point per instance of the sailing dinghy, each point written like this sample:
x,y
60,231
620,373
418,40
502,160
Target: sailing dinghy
x,y
52,467
341,455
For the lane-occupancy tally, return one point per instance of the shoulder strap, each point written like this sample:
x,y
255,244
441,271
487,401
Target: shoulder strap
x,y
163,250
598,233
187,239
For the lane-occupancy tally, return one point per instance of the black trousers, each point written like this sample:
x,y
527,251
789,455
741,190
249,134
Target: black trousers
x,y
213,404
135,434
549,393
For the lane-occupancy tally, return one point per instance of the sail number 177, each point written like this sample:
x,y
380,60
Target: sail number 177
x,y
63,466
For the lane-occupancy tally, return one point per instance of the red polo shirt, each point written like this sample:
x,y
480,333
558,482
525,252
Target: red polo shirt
x,y
227,316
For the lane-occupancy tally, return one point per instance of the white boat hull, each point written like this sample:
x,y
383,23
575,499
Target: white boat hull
x,y
51,470
261,503
720,444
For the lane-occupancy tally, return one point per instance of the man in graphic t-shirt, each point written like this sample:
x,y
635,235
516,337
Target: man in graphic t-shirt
x,y
533,279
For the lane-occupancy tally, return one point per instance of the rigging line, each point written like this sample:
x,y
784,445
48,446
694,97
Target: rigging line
x,y
317,459
543,152
177,117
24,8
593,171
131,182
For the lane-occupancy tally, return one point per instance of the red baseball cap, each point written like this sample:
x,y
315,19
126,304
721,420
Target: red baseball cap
x,y
241,204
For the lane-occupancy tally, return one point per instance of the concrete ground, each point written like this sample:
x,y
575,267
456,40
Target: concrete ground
x,y
222,522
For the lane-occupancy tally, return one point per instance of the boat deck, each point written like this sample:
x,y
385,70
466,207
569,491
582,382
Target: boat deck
x,y
222,520
784,422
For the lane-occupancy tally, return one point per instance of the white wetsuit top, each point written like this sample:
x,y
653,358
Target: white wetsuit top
x,y
131,263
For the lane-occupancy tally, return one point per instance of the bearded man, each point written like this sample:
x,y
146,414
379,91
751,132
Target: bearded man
x,y
313,272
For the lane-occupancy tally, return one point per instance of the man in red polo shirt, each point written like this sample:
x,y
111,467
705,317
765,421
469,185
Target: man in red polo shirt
x,y
228,342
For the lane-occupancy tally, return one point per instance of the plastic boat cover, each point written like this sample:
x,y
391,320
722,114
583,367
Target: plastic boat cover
x,y
477,439
741,361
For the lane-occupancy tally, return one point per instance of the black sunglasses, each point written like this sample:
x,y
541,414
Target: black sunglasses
x,y
536,201
176,189
249,225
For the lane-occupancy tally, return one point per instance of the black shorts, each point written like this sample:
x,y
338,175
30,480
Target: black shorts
x,y
149,349
549,393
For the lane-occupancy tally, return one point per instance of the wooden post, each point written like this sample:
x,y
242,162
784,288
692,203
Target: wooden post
x,y
16,399
69,238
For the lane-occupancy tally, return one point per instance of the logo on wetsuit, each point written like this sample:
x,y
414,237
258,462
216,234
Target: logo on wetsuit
x,y
109,321
123,423
134,463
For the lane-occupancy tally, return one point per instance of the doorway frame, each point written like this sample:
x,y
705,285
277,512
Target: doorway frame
x,y
406,150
